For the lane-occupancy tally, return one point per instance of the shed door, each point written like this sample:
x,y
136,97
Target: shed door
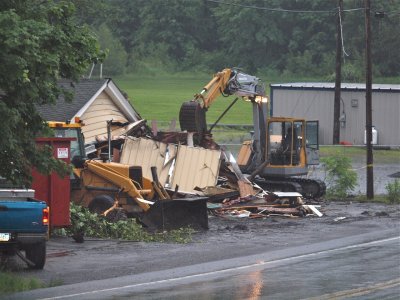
x,y
312,142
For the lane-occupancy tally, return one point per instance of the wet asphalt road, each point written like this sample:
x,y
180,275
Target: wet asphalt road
x,y
357,267
222,258
363,271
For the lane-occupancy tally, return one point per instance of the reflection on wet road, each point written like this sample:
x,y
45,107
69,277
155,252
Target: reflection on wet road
x,y
366,271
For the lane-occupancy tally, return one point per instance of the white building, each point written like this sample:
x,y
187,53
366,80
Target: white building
x,y
315,101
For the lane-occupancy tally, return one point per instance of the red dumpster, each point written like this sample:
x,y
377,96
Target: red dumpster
x,y
53,189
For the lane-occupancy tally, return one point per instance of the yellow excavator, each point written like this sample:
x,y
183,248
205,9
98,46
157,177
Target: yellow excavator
x,y
119,190
281,148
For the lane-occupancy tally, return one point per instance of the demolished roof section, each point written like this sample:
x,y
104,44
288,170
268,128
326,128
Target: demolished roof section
x,y
195,167
148,153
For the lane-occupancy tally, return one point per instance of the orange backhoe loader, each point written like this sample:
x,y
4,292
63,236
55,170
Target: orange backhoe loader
x,y
107,187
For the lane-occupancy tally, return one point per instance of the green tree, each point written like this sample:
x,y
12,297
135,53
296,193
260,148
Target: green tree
x,y
295,37
116,61
39,44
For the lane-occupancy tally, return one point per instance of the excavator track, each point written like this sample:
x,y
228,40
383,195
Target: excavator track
x,y
309,188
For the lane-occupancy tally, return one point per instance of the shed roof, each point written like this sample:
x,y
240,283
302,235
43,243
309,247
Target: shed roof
x,y
85,91
62,110
331,86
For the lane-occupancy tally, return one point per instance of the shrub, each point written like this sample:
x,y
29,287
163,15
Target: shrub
x,y
393,190
83,222
341,178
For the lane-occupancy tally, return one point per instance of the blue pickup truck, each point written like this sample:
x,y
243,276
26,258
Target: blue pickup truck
x,y
24,223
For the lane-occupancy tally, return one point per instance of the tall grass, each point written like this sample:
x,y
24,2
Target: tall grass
x,y
10,283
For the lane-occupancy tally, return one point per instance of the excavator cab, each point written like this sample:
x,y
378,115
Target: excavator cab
x,y
286,144
291,145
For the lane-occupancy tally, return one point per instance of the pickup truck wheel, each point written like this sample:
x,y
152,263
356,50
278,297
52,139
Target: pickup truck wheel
x,y
36,253
100,204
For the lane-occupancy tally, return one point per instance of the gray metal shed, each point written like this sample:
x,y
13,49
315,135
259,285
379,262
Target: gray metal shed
x,y
315,100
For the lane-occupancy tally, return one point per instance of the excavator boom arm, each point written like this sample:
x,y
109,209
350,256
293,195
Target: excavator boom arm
x,y
230,82
214,88
192,116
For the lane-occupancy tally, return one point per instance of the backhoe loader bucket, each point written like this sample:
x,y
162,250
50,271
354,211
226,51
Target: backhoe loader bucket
x,y
177,213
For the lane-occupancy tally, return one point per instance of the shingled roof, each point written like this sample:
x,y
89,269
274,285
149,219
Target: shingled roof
x,y
84,91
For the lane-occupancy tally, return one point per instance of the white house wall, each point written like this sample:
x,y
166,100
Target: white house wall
x,y
96,116
318,105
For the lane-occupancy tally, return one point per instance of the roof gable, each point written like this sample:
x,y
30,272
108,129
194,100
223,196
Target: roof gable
x,y
62,110
85,92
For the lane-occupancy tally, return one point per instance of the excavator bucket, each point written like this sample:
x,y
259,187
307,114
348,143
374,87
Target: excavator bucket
x,y
169,214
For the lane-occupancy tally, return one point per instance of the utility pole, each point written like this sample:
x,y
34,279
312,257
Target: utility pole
x,y
368,99
338,80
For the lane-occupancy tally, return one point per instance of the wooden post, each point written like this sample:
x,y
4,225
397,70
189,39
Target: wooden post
x,y
368,98
338,72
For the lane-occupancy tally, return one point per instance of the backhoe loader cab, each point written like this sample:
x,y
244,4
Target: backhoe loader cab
x,y
71,130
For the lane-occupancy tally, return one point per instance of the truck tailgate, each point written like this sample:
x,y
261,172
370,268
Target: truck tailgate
x,y
21,216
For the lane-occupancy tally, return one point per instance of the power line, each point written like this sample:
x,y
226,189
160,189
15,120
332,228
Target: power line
x,y
281,9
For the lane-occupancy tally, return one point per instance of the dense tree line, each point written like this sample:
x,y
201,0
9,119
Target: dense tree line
x,y
269,36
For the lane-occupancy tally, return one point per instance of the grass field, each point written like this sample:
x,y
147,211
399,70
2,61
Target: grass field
x,y
160,97
358,154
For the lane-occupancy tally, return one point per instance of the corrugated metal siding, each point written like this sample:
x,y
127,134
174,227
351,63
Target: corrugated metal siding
x,y
96,116
195,167
310,105
148,153
318,105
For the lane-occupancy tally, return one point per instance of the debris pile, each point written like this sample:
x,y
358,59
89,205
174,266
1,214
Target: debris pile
x,y
188,165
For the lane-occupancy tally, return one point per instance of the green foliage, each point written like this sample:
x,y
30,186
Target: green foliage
x,y
393,190
10,283
202,35
116,60
92,225
340,177
39,44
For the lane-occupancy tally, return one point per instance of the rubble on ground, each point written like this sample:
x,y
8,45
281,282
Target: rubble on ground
x,y
199,167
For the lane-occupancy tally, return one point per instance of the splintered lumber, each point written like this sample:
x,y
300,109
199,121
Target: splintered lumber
x,y
314,210
244,185
265,209
218,194
245,188
281,210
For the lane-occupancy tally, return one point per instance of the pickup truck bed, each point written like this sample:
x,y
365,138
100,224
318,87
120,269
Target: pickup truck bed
x,y
23,226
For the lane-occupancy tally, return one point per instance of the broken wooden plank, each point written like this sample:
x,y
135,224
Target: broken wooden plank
x,y
314,210
244,185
